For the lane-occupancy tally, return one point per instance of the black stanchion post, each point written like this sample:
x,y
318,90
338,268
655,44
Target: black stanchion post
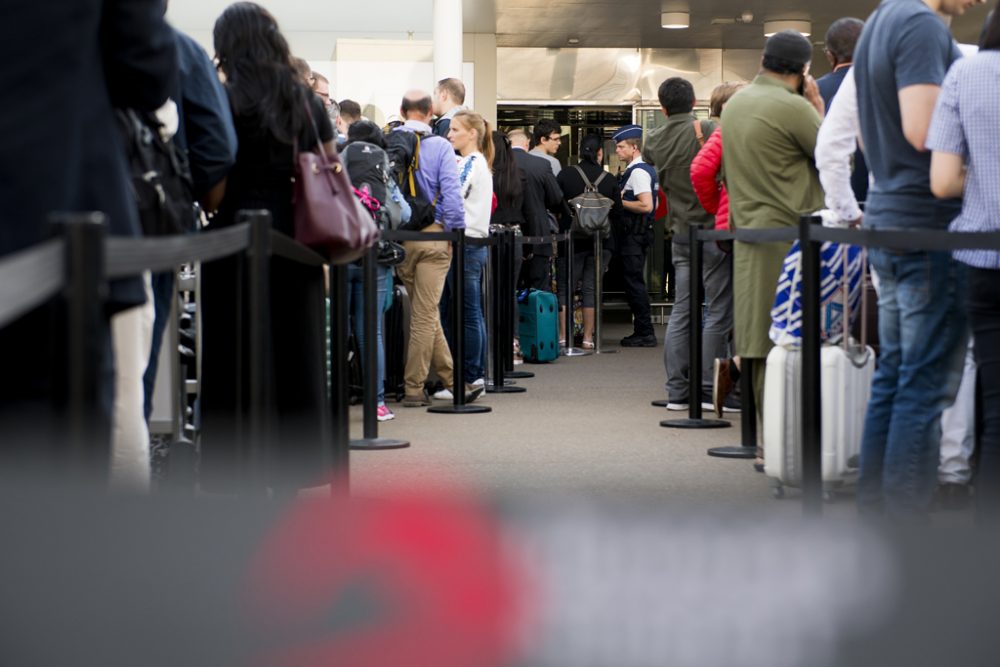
x,y
458,336
340,394
748,419
569,350
503,293
512,315
259,279
373,310
694,420
599,347
89,441
812,427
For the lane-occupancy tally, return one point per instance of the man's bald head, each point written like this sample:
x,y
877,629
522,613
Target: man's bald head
x,y
416,106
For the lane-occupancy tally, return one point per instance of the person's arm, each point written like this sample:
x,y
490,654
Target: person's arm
x,y
450,209
705,172
208,124
836,144
946,138
924,53
139,53
643,204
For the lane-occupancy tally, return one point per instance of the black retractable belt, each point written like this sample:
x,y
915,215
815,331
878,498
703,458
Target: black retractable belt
x,y
695,420
373,310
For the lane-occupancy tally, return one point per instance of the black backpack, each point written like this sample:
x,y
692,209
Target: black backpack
x,y
403,149
366,166
159,175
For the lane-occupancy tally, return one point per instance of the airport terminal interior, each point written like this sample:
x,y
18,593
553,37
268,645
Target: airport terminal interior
x,y
257,418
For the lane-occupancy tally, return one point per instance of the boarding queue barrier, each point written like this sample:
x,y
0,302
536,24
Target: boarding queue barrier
x,y
811,235
501,290
80,261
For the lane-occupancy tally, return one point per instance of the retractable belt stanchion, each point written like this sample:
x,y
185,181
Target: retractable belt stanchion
x,y
339,397
259,280
747,449
502,293
373,309
84,270
599,347
695,420
812,412
569,350
458,335
513,318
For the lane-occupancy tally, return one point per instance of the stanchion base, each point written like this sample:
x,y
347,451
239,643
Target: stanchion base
x,y
608,350
378,444
574,352
460,409
733,452
506,389
518,375
695,423
661,403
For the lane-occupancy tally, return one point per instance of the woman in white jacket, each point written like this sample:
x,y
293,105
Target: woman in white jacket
x,y
471,136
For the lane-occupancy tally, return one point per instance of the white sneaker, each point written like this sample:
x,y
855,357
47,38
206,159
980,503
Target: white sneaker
x,y
444,395
481,382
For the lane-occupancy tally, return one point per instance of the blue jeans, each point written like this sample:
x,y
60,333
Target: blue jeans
x,y
356,307
922,332
474,337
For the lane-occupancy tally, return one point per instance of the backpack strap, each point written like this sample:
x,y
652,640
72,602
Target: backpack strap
x,y
586,181
699,133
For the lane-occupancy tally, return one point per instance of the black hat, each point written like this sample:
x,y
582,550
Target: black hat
x,y
789,45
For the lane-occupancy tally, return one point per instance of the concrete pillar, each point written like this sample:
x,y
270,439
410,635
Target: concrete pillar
x,y
447,39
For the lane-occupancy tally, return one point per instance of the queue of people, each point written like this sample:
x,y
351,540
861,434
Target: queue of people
x,y
903,123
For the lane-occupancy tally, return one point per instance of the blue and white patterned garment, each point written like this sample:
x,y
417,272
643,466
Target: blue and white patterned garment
x,y
786,316
967,122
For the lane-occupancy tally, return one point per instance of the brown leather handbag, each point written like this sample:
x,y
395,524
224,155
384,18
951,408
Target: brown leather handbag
x,y
328,215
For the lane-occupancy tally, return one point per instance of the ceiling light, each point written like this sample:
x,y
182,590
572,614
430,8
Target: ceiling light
x,y
573,40
772,27
675,20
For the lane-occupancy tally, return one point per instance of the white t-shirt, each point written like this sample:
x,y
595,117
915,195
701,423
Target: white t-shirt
x,y
639,182
477,194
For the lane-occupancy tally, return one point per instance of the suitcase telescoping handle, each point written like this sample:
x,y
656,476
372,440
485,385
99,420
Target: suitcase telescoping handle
x,y
847,301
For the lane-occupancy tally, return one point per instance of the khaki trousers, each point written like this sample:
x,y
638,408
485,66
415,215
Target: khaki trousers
x,y
423,273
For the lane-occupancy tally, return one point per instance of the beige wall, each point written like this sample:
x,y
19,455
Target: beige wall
x,y
481,50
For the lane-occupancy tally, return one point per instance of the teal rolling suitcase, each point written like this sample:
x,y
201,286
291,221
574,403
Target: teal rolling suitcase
x,y
539,326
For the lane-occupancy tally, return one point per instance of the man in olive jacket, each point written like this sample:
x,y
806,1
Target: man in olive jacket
x,y
767,158
671,148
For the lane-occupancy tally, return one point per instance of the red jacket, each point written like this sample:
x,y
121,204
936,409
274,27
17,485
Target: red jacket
x,y
705,170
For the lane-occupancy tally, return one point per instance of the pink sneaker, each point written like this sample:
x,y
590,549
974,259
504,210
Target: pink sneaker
x,y
384,414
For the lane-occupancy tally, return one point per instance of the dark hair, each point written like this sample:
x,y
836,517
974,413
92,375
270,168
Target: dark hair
x,y
261,78
365,130
990,40
455,89
350,110
506,175
676,95
782,66
590,146
543,129
423,105
842,37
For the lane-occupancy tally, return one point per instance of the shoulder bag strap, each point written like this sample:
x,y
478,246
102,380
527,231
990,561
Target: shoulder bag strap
x,y
699,132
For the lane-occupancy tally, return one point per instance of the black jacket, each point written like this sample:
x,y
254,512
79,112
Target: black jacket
x,y
66,65
572,186
541,196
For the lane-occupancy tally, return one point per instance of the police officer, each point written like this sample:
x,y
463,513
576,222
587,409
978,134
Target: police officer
x,y
633,237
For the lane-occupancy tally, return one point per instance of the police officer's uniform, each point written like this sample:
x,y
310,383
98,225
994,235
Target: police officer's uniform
x,y
632,240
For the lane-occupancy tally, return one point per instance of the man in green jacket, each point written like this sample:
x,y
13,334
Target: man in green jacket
x,y
767,159
671,148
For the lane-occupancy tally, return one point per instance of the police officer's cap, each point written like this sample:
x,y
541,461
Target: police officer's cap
x,y
628,132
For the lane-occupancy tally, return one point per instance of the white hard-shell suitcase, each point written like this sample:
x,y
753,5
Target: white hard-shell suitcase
x,y
845,387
